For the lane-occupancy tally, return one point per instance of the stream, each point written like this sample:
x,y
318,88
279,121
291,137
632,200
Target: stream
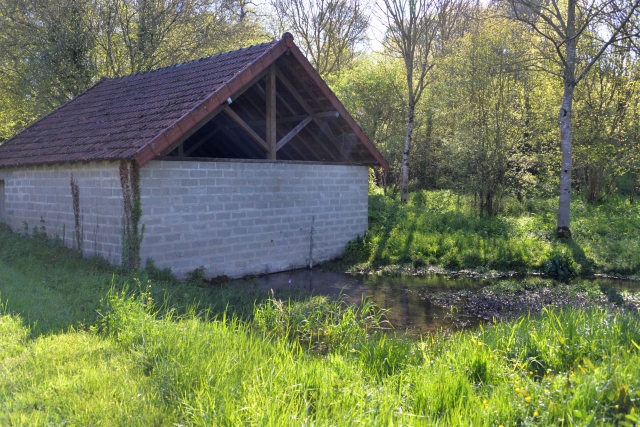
x,y
415,305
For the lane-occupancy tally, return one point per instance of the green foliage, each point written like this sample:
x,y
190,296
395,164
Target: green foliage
x,y
145,367
132,232
560,265
146,361
441,229
318,323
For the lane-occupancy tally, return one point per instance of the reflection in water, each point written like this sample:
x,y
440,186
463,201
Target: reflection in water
x,y
406,299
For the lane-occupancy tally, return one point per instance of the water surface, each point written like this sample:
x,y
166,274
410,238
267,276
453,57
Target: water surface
x,y
405,298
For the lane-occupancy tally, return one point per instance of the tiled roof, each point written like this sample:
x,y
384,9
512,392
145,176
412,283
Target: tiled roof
x,y
140,115
117,117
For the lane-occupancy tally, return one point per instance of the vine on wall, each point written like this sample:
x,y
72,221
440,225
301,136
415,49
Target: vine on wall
x,y
131,232
78,235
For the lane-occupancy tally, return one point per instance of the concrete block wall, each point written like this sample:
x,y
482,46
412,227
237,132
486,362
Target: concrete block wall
x,y
249,218
44,192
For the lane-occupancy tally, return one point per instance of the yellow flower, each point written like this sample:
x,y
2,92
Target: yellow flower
x,y
530,372
535,413
527,399
485,401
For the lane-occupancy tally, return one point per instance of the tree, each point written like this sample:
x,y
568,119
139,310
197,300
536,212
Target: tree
x,y
139,35
50,51
46,50
579,32
417,31
369,90
481,100
605,124
329,32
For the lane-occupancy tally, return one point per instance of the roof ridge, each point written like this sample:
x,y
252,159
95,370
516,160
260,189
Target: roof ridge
x,y
179,64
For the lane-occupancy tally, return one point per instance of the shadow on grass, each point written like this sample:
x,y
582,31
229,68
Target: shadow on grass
x,y
54,289
579,256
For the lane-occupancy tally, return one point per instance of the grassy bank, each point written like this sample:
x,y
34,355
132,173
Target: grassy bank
x,y
439,229
146,358
562,368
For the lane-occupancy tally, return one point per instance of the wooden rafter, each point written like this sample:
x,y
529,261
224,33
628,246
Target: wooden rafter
x,y
293,132
236,118
324,127
212,114
200,142
291,111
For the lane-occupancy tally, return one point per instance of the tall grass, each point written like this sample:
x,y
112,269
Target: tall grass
x,y
143,367
440,229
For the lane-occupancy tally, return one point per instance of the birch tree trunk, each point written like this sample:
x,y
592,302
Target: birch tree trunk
x,y
407,148
564,206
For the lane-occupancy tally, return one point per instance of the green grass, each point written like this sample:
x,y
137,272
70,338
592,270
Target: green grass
x,y
54,288
439,229
134,368
149,357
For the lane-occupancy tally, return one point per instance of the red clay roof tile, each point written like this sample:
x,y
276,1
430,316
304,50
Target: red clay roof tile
x,y
115,118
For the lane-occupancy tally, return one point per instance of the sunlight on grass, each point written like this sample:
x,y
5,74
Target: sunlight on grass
x,y
440,229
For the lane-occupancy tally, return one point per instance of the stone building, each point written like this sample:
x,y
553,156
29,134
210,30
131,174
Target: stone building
x,y
244,163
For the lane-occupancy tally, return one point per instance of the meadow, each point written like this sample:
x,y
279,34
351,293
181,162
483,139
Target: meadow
x,y
85,344
440,230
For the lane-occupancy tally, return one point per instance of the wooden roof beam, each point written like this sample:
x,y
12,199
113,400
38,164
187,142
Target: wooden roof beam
x,y
321,123
200,142
293,132
293,111
236,118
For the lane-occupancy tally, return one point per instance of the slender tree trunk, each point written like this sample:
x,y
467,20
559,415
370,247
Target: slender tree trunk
x,y
405,152
564,206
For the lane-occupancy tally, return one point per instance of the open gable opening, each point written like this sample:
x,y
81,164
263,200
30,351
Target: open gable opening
x,y
307,126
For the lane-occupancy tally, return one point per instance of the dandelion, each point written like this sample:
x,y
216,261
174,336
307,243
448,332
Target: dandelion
x,y
535,413
527,399
485,401
530,372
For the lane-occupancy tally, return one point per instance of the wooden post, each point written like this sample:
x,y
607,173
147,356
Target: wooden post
x,y
271,112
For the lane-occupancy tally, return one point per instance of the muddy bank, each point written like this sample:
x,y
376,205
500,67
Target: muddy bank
x,y
421,304
397,270
509,299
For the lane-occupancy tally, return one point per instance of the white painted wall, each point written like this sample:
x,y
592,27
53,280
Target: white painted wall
x,y
232,218
249,218
41,195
